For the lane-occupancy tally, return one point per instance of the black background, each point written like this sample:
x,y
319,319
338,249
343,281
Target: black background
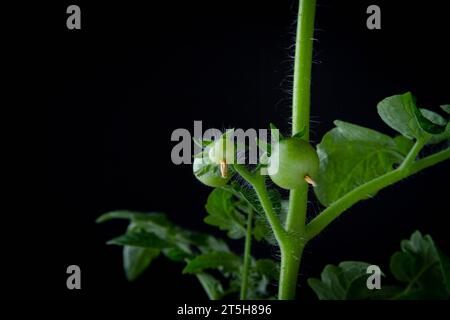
x,y
112,93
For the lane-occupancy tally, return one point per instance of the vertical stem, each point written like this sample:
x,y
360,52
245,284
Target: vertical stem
x,y
247,256
298,198
296,218
290,264
302,66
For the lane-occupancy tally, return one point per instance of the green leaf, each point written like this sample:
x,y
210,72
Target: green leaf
x,y
351,155
202,143
204,170
136,260
153,217
213,244
433,117
444,264
224,214
225,261
201,154
446,108
261,229
161,229
141,239
403,144
268,268
401,114
149,234
274,127
438,120
263,272
336,281
423,267
176,254
212,286
248,196
227,205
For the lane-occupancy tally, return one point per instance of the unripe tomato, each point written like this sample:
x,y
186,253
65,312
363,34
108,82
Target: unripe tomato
x,y
295,159
222,151
212,177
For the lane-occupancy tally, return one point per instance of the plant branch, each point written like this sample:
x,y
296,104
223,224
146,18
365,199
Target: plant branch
x,y
368,188
411,157
247,256
259,185
430,161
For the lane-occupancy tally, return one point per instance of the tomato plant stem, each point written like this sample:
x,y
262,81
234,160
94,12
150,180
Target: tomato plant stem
x,y
298,198
302,67
290,264
247,256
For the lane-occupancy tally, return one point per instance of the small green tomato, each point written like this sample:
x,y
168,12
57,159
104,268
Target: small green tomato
x,y
222,151
212,177
292,162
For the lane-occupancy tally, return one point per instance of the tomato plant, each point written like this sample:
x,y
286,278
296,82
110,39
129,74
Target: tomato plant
x,y
350,164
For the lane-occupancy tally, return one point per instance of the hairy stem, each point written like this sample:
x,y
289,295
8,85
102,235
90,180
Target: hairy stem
x,y
302,67
290,264
368,188
247,256
298,198
258,184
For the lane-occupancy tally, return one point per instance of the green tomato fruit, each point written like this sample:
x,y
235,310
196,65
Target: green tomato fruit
x,y
292,160
222,151
211,177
